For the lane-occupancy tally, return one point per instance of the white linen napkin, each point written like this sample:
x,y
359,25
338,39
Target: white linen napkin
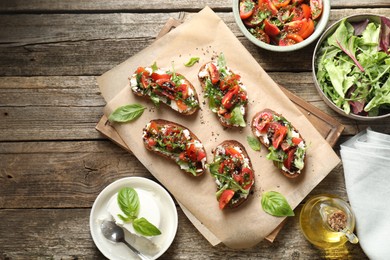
x,y
366,163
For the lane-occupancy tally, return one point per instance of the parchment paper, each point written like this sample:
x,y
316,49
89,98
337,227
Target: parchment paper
x,y
205,36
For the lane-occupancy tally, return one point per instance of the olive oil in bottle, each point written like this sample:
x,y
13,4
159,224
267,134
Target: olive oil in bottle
x,y
327,221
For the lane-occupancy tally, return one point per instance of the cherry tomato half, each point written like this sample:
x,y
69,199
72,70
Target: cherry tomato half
x,y
225,198
270,28
290,39
261,35
300,12
246,8
289,160
262,120
157,76
267,5
280,3
316,8
214,73
279,135
247,178
229,98
296,140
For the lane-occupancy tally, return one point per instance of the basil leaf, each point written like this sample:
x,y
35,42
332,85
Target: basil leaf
x,y
254,143
126,113
276,204
128,202
145,228
192,62
154,67
237,117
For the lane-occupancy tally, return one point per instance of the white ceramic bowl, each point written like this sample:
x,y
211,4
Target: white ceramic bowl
x,y
319,28
329,31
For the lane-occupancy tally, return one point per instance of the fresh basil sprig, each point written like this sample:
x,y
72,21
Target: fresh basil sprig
x,y
275,204
254,143
192,62
126,113
128,202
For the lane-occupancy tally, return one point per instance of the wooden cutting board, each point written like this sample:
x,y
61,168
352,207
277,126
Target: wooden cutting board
x,y
327,126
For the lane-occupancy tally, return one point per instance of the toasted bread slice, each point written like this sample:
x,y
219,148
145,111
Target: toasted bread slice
x,y
226,93
233,173
177,143
287,148
167,87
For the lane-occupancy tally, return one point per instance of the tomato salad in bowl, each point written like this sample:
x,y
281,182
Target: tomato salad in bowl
x,y
281,25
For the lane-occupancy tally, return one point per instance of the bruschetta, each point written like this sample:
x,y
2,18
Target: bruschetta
x,y
287,148
165,86
177,143
226,94
233,173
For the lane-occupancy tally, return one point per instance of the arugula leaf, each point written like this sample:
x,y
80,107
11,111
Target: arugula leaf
x,y
128,202
126,113
254,143
191,62
145,228
275,204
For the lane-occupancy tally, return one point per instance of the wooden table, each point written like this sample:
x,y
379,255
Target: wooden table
x,y
53,163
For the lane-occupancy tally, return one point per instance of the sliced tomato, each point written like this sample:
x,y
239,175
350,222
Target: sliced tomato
x,y
151,142
229,98
200,155
255,20
279,135
300,12
303,28
214,73
181,105
246,8
316,8
229,81
297,1
285,146
296,140
247,178
261,35
288,162
225,198
262,120
309,29
270,28
145,79
183,88
280,3
290,39
140,70
156,76
267,6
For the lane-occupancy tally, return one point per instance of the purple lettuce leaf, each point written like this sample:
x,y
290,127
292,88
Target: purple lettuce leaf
x,y
360,27
384,41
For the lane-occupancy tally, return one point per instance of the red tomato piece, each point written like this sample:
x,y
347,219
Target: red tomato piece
x,y
255,20
246,8
270,28
279,135
297,1
228,99
267,5
290,39
247,178
233,152
184,91
296,140
309,29
262,120
151,142
156,76
200,155
316,8
214,73
181,105
300,12
140,70
225,198
145,79
280,3
289,160
261,35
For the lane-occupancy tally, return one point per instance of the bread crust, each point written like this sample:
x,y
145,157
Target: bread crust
x,y
165,101
234,143
267,145
173,157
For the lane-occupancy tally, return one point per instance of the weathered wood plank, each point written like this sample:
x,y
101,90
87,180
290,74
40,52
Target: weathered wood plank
x,y
68,108
65,235
12,6
76,44
72,174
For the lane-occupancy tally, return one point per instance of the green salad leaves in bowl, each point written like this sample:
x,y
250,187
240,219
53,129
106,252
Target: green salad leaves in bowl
x,y
351,67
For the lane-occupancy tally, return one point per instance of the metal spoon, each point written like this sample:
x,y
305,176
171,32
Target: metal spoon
x,y
115,233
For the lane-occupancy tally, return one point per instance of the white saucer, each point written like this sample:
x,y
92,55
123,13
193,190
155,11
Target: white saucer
x,y
168,223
